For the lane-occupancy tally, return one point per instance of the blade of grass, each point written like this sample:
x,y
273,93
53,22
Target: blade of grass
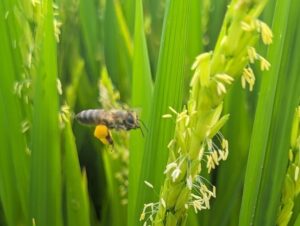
x,y
45,189
269,123
75,194
287,98
154,15
217,12
229,181
13,157
122,25
112,167
194,45
129,14
141,97
297,223
2,217
118,48
90,29
192,219
296,212
268,12
167,92
92,162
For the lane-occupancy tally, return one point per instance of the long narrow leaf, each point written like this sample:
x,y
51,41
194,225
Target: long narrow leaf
x,y
45,190
141,98
167,92
229,181
269,141
117,48
76,198
287,98
13,155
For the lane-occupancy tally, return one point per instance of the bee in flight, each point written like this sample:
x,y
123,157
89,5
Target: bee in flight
x,y
104,120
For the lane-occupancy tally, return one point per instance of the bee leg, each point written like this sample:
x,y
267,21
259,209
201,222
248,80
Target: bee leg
x,y
109,139
103,134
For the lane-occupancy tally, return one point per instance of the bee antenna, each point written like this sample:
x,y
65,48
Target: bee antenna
x,y
144,125
142,131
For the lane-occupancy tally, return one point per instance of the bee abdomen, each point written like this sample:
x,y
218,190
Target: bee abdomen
x,y
90,117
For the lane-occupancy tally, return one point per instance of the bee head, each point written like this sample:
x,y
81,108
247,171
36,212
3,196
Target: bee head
x,y
131,121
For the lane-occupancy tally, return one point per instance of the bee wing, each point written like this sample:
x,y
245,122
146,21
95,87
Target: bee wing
x,y
138,110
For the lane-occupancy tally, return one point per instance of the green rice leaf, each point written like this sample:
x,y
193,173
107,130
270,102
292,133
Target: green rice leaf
x,y
141,98
14,153
112,167
90,29
167,92
77,208
216,12
45,189
287,98
230,181
271,132
129,14
118,48
297,223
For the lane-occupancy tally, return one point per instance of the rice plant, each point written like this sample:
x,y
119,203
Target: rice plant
x,y
199,120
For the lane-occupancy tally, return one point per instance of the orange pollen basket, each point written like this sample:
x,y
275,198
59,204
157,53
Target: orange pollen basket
x,y
102,133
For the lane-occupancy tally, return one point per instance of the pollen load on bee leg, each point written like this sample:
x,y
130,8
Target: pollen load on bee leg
x,y
103,134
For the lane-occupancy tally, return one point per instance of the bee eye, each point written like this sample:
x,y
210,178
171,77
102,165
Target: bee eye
x,y
130,119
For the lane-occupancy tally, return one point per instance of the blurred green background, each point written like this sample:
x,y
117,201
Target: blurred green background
x,y
60,57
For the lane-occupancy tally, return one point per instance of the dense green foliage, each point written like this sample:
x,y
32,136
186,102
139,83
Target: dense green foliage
x,y
60,57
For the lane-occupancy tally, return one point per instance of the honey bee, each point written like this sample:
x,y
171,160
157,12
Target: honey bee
x,y
108,119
